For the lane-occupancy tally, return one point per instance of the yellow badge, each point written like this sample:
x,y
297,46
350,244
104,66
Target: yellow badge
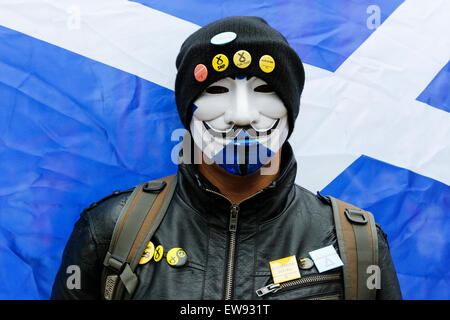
x,y
242,59
284,269
148,253
220,62
176,257
267,64
158,253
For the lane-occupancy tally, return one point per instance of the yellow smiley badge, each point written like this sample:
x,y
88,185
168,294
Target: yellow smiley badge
x,y
242,59
176,257
220,62
148,253
266,63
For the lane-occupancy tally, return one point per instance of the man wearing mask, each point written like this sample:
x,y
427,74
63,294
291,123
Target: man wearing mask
x,y
236,226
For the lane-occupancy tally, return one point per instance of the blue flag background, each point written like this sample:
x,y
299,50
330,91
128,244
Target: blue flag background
x,y
77,123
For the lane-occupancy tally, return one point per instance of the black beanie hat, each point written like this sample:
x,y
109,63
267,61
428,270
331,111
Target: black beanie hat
x,y
254,35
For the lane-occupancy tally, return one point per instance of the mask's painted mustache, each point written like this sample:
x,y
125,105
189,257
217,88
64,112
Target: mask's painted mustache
x,y
234,131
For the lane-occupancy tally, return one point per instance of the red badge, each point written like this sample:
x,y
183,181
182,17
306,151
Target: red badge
x,y
200,72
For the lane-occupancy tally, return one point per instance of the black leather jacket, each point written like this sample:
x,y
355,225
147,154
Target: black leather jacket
x,y
282,220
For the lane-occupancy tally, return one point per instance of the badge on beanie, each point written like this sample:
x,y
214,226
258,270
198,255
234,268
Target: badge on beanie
x,y
266,63
242,59
223,38
200,72
220,62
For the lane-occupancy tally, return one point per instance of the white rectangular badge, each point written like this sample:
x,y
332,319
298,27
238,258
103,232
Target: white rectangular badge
x,y
326,259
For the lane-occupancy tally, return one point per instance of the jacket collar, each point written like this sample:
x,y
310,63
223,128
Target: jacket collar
x,y
202,196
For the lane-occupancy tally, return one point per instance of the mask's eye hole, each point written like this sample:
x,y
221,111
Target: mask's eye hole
x,y
265,88
216,89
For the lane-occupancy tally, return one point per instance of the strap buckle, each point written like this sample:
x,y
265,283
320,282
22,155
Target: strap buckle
x,y
154,186
355,216
114,263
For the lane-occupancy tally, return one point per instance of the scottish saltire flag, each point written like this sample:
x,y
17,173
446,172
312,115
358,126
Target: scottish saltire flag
x,y
87,107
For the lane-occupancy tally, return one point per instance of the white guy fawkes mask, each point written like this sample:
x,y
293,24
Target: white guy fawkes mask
x,y
239,124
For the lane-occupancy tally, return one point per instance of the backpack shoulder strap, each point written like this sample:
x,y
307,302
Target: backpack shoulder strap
x,y
137,222
358,247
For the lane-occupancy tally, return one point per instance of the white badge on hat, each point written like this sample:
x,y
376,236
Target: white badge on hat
x,y
223,38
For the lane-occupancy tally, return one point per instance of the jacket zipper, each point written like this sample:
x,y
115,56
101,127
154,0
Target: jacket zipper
x,y
234,211
297,283
232,229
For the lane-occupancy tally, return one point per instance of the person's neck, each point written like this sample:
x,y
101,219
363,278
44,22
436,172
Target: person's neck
x,y
237,188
